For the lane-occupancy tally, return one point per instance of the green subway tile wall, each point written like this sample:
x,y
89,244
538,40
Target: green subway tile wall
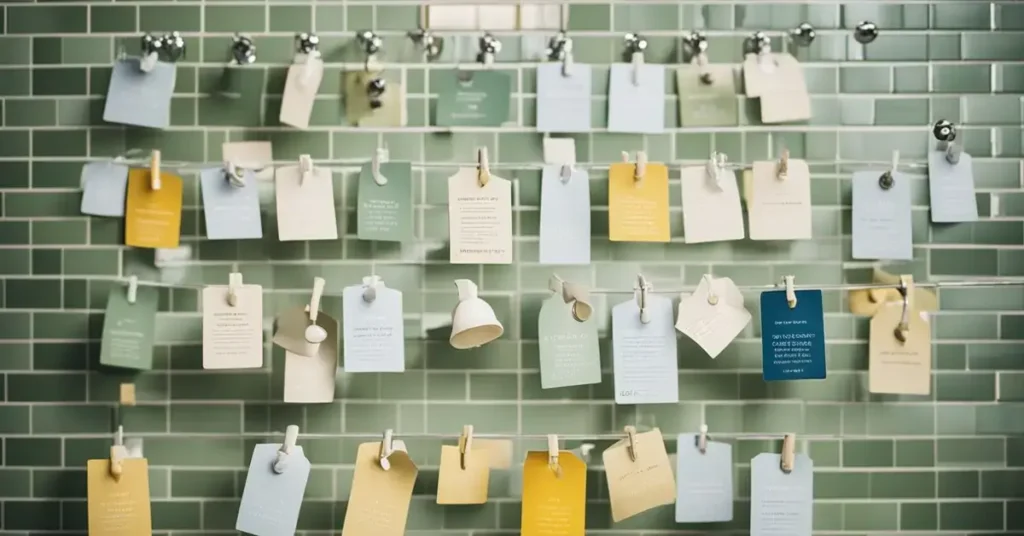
x,y
951,463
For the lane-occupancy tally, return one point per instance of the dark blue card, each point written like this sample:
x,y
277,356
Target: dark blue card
x,y
792,340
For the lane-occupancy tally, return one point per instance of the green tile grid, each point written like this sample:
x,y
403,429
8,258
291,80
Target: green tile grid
x,y
948,464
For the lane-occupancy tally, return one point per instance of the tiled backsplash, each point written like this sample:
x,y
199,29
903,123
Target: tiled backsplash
x,y
951,463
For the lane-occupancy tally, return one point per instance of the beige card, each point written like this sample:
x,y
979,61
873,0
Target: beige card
x,y
637,486
305,206
779,82
378,504
311,379
499,452
897,367
867,302
393,111
359,110
458,485
785,106
711,209
233,334
780,207
250,155
300,89
119,507
479,219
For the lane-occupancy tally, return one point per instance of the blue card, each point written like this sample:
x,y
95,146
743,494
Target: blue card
x,y
135,97
881,218
232,212
636,104
103,188
792,340
271,501
781,503
951,188
563,101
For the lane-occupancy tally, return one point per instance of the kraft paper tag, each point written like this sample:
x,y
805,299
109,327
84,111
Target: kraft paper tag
x,y
780,208
479,219
472,98
644,355
711,210
563,102
704,492
271,501
232,212
792,340
378,503
499,452
104,186
896,367
119,507
385,211
564,217
233,335
254,155
881,218
456,485
707,104
781,503
300,88
637,108
152,217
638,210
129,329
713,325
867,302
637,486
554,504
387,110
305,206
951,188
374,332
135,97
569,349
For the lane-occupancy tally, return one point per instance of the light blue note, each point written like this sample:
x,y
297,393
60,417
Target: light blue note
x,y
374,331
563,101
644,355
135,97
703,481
271,501
781,504
951,188
232,212
564,217
881,218
103,188
569,351
639,107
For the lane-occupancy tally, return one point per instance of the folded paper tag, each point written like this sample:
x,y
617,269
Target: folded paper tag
x,y
300,90
378,503
472,98
900,367
310,379
152,217
569,349
636,100
233,334
463,485
713,315
139,98
479,219
104,186
644,355
271,501
119,507
305,205
564,217
129,329
951,188
882,227
374,331
563,101
641,482
703,104
781,503
704,493
638,209
711,209
385,211
232,212
780,206
792,339
553,502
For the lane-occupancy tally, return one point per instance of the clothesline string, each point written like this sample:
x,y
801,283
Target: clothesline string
x,y
711,435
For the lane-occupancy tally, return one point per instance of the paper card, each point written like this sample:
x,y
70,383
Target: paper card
x,y
233,335
374,332
311,379
713,325
636,108
563,102
781,503
472,98
560,151
456,485
711,211
638,210
564,217
152,217
129,329
554,504
387,110
704,492
637,486
385,211
881,219
290,330
707,104
255,155
867,302
499,452
644,355
305,206
785,106
900,368
392,112
378,503
775,73
780,208
569,349
119,507
792,340
951,188
135,97
232,212
104,186
479,219
300,88
271,501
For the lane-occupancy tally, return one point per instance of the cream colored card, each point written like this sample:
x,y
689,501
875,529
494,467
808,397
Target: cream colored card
x,y
635,486
778,80
711,209
713,315
785,106
638,209
305,205
300,90
119,507
479,219
554,503
257,155
499,452
896,367
233,334
378,504
458,485
780,206
311,379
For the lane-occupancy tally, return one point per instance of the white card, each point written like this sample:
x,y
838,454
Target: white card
x,y
271,501
637,108
713,325
233,335
104,185
300,89
951,188
231,212
771,73
255,155
305,207
479,219
563,102
564,217
780,207
311,379
882,226
780,503
703,482
785,106
560,151
711,209
374,332
644,355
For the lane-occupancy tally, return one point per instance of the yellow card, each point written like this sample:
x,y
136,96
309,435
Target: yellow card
x,y
456,485
554,505
119,507
152,217
635,486
499,452
900,367
638,210
378,504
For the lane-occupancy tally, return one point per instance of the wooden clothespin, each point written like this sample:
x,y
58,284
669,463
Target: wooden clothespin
x,y
782,170
483,167
906,289
127,394
631,439
712,297
154,170
553,455
788,458
790,291
641,166
465,444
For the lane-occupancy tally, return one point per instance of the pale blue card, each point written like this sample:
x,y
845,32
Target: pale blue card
x,y
792,339
135,97
232,212
881,218
103,188
781,504
644,355
374,332
271,501
563,102
951,188
703,481
564,217
636,108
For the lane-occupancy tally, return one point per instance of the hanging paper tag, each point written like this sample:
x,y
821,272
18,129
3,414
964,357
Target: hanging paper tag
x,y
374,331
152,217
713,325
104,186
704,493
707,105
569,349
385,211
139,98
640,484
252,155
119,507
271,501
378,503
305,205
563,102
638,210
479,219
129,329
233,334
232,212
881,218
781,503
458,485
472,98
898,367
711,210
553,503
309,379
300,90
564,217
792,340
780,208
951,188
644,355
636,108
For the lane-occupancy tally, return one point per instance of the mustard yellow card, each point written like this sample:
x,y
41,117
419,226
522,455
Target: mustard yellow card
x,y
638,209
152,217
119,507
554,503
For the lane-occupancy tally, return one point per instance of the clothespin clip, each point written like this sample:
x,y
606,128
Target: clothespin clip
x,y
465,444
553,455
315,334
906,289
712,297
641,290
234,174
788,458
133,288
370,292
715,168
631,445
379,157
787,280
641,166
782,170
888,179
291,435
575,294
234,284
585,449
387,446
305,167
483,168
635,46
151,46
702,439
154,170
308,53
118,453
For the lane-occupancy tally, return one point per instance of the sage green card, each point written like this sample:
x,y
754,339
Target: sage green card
x,y
709,100
129,329
384,211
569,353
472,98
